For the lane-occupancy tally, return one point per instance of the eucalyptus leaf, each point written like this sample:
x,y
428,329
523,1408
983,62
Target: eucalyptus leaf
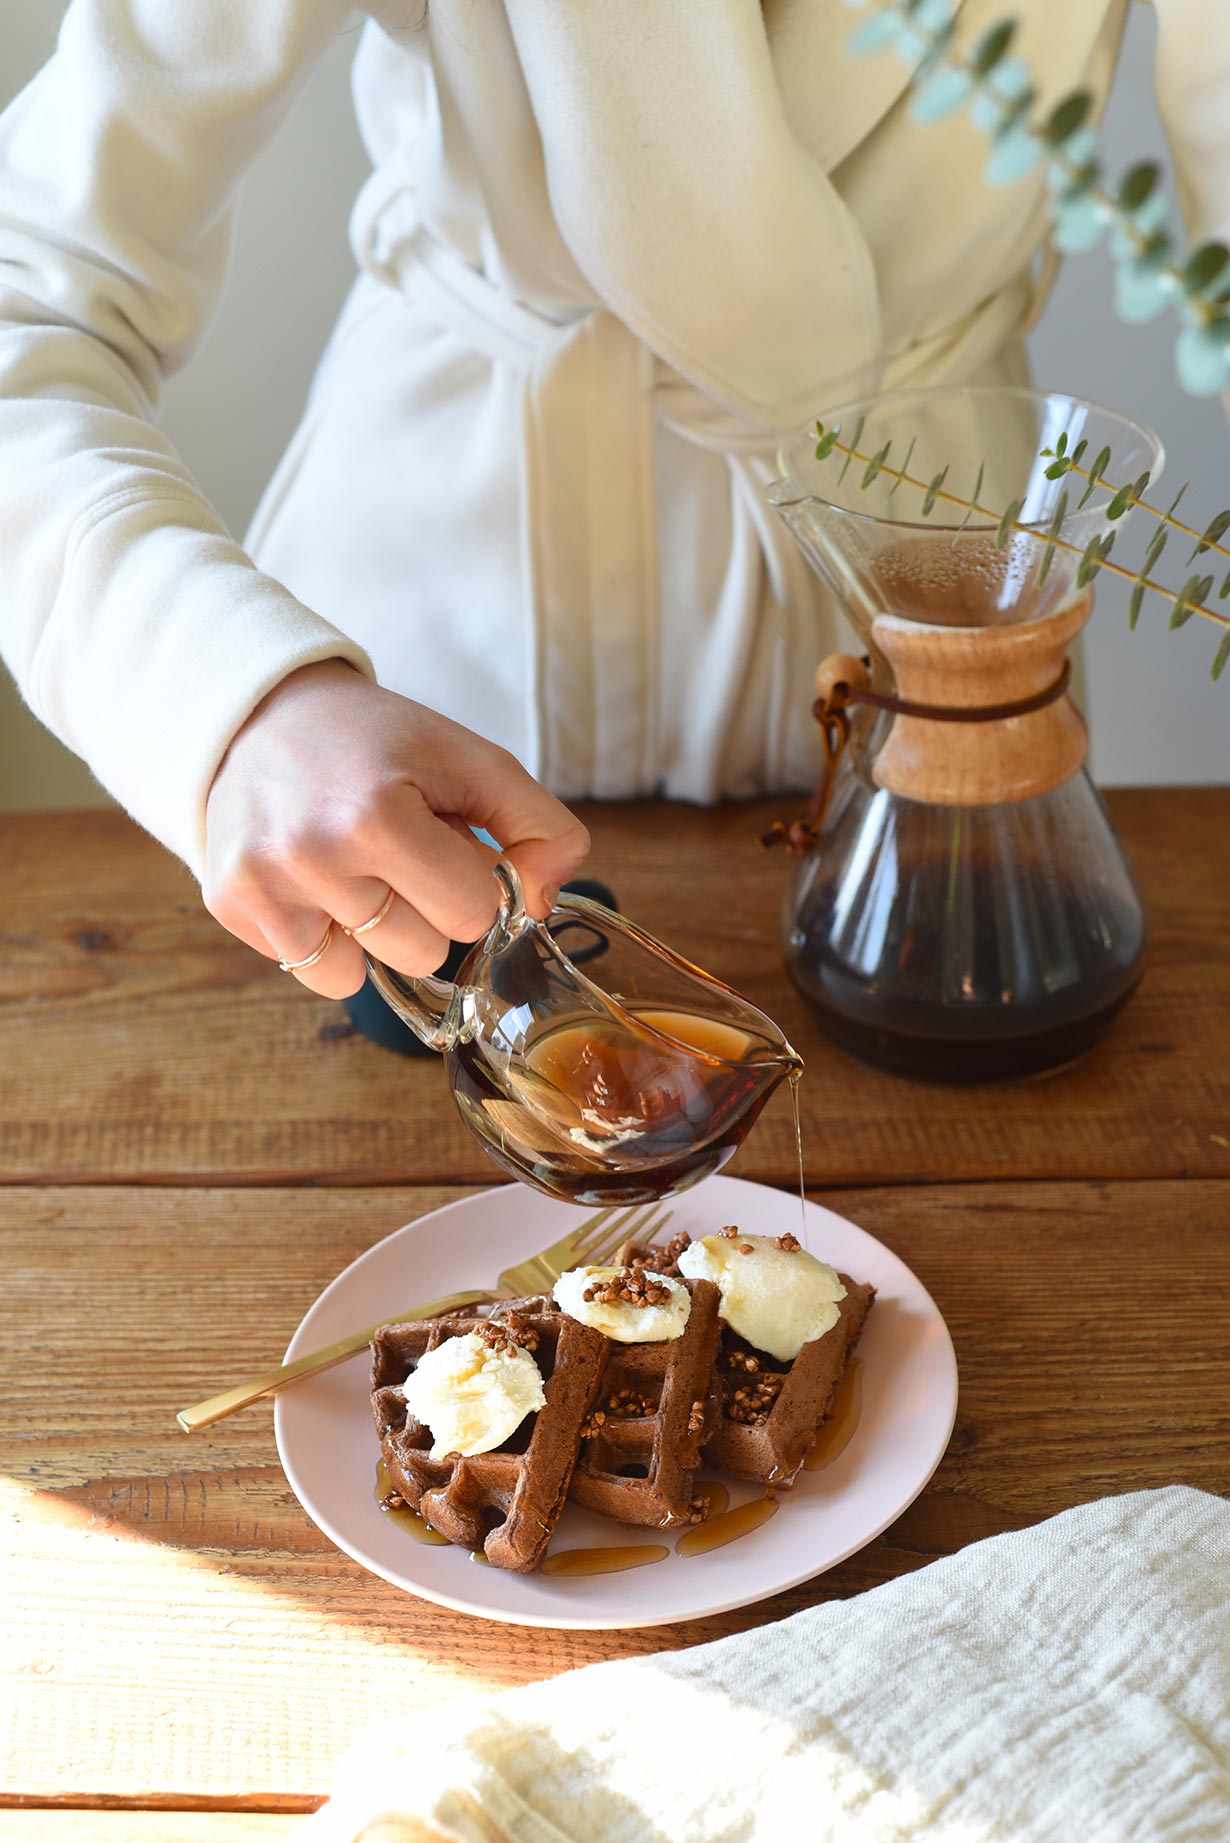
x,y
1016,108
1128,496
1174,504
1223,653
1141,235
1090,563
875,464
1138,595
941,93
972,507
1013,155
1206,268
1058,469
1079,222
1143,290
935,15
1011,513
1137,184
904,468
1074,185
1194,590
1048,555
1067,118
1100,464
874,32
827,441
1157,544
1202,358
993,46
999,96
1213,532
932,493
854,442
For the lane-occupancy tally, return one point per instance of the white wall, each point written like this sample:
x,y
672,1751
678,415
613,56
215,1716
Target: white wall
x,y
1155,716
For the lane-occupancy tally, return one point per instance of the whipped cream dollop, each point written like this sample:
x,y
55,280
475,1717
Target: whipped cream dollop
x,y
472,1396
627,1304
777,1298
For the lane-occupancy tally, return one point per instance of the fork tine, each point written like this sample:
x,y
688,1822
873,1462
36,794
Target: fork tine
x,y
621,1224
600,1233
642,1223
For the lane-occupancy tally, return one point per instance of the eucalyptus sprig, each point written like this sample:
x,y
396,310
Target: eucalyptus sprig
x,y
1152,271
1064,459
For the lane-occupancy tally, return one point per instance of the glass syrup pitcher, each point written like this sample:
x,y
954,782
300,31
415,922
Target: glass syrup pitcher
x,y
961,908
621,1083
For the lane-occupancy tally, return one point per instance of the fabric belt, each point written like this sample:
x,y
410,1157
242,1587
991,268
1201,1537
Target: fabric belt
x,y
591,393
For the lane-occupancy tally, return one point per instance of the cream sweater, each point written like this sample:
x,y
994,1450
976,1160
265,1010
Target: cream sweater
x,y
605,252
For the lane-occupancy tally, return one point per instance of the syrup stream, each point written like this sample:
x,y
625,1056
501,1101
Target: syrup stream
x,y
795,1079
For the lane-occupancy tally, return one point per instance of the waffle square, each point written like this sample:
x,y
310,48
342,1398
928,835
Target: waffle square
x,y
641,1440
762,1415
505,1502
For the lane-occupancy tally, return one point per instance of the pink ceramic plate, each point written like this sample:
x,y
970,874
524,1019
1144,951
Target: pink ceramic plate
x,y
908,1401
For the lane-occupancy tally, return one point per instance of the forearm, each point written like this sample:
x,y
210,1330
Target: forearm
x,y
136,627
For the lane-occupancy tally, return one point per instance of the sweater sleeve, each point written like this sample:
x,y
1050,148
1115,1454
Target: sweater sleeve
x,y
689,204
137,629
1193,92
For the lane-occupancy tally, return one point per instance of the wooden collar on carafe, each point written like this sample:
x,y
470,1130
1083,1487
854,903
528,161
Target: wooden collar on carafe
x,y
994,756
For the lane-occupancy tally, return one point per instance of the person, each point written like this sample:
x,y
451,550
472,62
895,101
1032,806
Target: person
x,y
518,551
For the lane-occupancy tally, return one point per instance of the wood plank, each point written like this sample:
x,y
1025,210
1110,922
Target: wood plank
x,y
51,1825
172,1609
139,1042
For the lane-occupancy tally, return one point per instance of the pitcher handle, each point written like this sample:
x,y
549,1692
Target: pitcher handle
x,y
435,1009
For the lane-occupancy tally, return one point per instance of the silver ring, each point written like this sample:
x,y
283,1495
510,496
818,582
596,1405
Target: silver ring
x,y
379,916
297,966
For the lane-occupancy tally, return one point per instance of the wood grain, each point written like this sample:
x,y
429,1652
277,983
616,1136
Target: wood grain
x,y
138,1042
94,1825
172,1610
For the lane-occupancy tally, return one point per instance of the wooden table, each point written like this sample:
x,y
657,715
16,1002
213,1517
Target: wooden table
x,y
193,1145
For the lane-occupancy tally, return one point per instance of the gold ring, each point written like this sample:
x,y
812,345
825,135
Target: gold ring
x,y
297,966
379,916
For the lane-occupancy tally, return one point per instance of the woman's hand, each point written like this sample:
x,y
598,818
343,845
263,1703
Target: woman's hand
x,y
335,792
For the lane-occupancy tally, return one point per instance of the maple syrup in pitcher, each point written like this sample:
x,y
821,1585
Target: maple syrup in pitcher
x,y
607,1111
590,1059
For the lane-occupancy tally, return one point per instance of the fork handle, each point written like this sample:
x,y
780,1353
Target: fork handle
x,y
205,1413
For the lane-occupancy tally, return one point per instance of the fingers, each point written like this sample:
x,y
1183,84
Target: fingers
x,y
402,937
437,865
488,787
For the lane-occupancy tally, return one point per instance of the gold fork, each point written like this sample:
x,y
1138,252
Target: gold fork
x,y
598,1236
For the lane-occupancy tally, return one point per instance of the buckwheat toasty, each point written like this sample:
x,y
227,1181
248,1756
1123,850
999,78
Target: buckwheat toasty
x,y
504,1502
641,1440
764,1412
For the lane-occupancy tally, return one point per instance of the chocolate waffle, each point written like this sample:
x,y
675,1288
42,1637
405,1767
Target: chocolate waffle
x,y
505,1502
762,1415
641,1440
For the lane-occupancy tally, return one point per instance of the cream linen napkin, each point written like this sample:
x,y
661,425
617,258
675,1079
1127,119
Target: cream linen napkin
x,y
1067,1683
